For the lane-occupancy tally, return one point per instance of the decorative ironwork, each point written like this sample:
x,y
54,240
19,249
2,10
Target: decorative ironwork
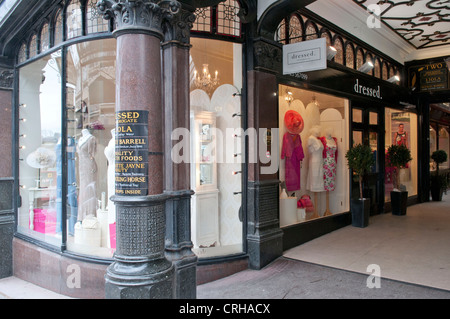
x,y
302,27
94,21
421,23
222,19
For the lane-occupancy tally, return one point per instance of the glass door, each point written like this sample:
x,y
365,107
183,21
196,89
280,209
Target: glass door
x,y
367,129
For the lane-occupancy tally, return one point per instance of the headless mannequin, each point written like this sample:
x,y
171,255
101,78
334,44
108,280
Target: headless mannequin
x,y
315,173
87,147
329,140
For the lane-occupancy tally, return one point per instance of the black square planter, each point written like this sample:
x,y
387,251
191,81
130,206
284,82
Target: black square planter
x,y
399,203
360,212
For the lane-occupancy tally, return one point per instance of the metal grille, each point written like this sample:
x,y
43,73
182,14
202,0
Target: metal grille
x,y
227,18
202,20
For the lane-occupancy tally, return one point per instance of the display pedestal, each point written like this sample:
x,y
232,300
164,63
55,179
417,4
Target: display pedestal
x,y
315,215
327,210
288,211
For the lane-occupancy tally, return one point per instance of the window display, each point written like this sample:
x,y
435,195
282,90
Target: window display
x,y
39,214
216,148
91,126
317,182
401,129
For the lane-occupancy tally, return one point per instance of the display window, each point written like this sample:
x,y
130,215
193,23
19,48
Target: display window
x,y
313,131
216,148
90,122
401,129
40,210
90,103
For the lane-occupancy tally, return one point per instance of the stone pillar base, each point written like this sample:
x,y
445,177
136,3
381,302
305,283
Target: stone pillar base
x,y
140,269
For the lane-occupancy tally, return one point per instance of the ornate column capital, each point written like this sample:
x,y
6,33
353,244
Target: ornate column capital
x,y
178,29
139,16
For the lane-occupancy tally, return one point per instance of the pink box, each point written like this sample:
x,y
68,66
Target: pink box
x,y
112,235
44,221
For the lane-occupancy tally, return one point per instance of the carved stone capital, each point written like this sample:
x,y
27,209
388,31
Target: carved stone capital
x,y
6,78
139,16
178,29
268,55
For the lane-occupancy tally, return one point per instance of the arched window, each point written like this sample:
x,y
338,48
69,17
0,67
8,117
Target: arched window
x,y
74,19
339,46
359,58
58,28
33,46
45,38
22,56
295,29
377,68
349,55
311,31
228,22
94,22
385,72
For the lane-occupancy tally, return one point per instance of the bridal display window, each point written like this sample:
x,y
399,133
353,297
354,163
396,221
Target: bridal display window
x,y
401,129
313,130
216,147
88,217
40,208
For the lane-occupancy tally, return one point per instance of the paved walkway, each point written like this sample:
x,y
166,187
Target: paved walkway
x,y
410,253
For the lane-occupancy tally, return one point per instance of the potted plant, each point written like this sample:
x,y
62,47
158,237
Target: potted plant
x,y
398,157
360,160
438,182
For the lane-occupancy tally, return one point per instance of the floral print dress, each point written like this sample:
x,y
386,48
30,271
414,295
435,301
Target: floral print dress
x,y
329,164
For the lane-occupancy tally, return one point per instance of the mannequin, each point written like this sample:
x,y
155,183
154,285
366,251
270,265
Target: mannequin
x,y
292,149
329,164
87,147
110,155
314,181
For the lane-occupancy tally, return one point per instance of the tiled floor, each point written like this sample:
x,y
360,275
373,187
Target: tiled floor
x,y
412,248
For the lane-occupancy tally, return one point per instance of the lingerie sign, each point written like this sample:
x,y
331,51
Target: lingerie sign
x,y
131,154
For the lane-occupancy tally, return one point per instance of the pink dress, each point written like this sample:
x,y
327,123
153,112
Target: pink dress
x,y
292,151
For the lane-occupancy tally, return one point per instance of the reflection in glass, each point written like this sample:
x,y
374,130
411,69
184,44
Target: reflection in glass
x,y
39,215
90,101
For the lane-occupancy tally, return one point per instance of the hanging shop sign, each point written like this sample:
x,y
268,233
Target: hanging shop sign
x,y
429,77
131,154
304,56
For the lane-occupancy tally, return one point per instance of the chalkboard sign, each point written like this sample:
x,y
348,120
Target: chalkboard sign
x,y
131,153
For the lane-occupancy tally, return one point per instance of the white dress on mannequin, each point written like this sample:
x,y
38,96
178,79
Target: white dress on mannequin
x,y
87,200
314,181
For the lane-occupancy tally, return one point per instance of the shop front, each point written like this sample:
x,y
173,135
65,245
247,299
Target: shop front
x,y
340,105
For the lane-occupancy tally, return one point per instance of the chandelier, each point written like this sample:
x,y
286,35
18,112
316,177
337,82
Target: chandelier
x,y
204,80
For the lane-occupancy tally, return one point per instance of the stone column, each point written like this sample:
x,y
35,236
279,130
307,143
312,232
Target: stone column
x,y
7,189
140,269
264,236
177,175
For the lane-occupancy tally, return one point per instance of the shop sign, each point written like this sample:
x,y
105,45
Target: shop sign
x,y
430,77
131,153
367,90
305,56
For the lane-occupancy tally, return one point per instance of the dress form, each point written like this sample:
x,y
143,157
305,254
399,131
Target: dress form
x,y
110,155
315,170
87,148
330,163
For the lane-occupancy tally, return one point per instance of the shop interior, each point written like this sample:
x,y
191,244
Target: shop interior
x,y
314,182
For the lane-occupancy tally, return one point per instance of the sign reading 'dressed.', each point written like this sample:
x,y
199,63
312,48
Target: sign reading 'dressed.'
x,y
131,153
305,56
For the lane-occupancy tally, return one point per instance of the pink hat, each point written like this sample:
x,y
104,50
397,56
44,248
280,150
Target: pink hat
x,y
294,122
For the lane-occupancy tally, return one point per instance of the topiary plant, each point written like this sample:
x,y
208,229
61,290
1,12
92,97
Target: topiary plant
x,y
360,160
439,157
399,156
